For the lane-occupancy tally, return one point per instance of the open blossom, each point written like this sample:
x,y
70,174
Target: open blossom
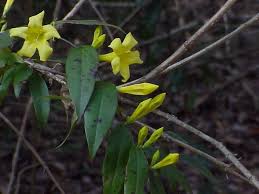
x,y
122,56
36,36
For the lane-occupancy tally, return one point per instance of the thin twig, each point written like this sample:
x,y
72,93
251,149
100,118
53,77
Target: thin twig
x,y
214,142
101,18
18,146
223,166
33,151
74,10
57,10
186,45
167,35
114,4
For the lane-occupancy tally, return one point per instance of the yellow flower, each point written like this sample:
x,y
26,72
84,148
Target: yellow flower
x,y
138,89
7,6
155,157
142,135
168,160
146,107
36,36
154,137
99,38
122,56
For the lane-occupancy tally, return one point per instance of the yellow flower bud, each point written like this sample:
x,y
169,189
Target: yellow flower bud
x,y
154,137
99,38
155,157
168,160
138,89
146,107
7,6
139,111
156,102
142,135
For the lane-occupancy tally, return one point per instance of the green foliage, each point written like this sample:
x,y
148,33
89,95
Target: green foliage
x,y
99,114
116,158
156,186
22,73
5,82
39,90
5,40
80,71
8,58
137,172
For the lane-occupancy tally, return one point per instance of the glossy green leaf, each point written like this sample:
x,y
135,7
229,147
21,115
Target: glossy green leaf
x,y
99,114
116,158
156,185
22,73
136,173
5,40
5,82
8,58
39,89
80,71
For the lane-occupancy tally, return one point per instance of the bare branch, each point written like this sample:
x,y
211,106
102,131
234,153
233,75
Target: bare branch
x,y
186,45
74,10
33,151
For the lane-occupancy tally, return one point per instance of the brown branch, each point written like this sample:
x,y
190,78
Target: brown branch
x,y
214,142
101,18
74,10
186,45
33,151
18,146
223,166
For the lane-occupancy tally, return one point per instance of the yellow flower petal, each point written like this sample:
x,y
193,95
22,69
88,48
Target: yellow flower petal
x,y
7,6
28,49
129,42
154,137
36,21
142,135
115,44
107,57
115,65
19,32
125,72
168,160
44,50
156,102
50,32
138,89
132,57
155,157
139,111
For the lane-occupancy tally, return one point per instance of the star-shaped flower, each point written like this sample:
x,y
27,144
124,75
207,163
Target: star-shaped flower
x,y
122,56
36,36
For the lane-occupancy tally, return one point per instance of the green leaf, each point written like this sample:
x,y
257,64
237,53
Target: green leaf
x,y
8,58
116,158
22,73
137,172
176,179
156,185
88,23
39,89
5,82
5,40
99,114
80,71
